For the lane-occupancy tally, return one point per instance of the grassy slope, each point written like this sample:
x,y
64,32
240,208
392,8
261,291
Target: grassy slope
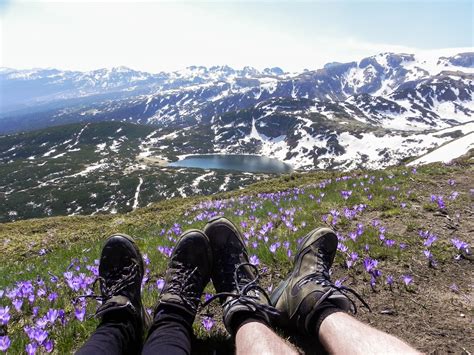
x,y
426,313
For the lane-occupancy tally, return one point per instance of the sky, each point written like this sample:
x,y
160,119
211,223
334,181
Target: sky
x,y
169,35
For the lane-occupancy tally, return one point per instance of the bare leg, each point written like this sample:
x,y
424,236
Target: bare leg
x,y
342,334
256,338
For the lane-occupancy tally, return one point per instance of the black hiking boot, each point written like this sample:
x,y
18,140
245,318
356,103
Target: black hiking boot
x,y
300,297
120,275
234,278
188,273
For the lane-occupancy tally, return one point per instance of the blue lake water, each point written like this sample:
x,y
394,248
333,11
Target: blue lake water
x,y
249,163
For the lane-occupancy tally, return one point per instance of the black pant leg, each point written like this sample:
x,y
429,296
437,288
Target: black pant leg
x,y
170,333
114,336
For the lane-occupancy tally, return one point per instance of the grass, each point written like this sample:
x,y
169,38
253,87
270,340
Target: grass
x,y
40,249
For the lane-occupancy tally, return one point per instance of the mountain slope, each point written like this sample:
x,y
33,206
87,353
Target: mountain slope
x,y
94,168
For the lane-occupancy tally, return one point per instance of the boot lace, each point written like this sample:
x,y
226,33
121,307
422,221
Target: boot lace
x,y
115,283
322,278
244,288
184,283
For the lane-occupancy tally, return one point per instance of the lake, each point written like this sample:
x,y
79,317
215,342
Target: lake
x,y
249,163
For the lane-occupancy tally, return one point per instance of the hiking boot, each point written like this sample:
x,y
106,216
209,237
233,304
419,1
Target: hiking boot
x,y
234,278
188,272
120,275
301,295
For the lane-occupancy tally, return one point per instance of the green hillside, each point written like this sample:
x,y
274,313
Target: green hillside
x,y
412,226
97,168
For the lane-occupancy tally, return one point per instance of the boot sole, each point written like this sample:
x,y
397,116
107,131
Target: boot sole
x,y
275,296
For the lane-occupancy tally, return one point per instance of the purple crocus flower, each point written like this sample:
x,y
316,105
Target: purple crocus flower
x,y
4,343
439,200
428,254
389,280
389,243
370,264
407,279
338,282
430,240
459,244
254,260
346,194
17,303
353,235
373,281
52,315
342,247
80,313
48,346
31,348
40,335
273,248
207,323
62,316
165,250
52,296
42,322
160,283
4,315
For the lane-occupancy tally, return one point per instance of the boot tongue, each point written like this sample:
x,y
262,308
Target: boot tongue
x,y
116,303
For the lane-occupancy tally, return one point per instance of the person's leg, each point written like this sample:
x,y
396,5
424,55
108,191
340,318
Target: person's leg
x,y
247,312
123,318
114,335
257,338
311,304
186,277
341,333
170,333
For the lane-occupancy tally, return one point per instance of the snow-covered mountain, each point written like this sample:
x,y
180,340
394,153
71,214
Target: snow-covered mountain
x,y
27,88
374,112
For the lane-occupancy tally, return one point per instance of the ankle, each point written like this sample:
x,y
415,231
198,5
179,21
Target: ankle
x,y
165,312
242,318
326,310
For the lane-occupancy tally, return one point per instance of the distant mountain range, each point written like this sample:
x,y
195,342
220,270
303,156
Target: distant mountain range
x,y
379,111
382,104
